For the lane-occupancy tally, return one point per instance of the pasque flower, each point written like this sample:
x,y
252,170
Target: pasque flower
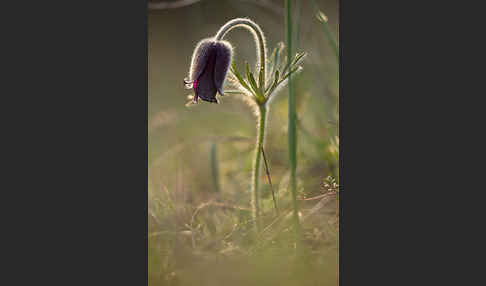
x,y
210,63
209,66
212,58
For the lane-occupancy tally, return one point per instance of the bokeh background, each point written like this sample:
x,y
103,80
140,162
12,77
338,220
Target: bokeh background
x,y
200,157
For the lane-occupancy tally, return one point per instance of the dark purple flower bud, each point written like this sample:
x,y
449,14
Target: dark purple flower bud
x,y
210,63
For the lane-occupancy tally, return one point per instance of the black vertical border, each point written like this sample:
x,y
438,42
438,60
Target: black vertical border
x,y
78,72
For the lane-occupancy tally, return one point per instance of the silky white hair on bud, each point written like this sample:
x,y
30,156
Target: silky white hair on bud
x,y
223,61
209,66
199,58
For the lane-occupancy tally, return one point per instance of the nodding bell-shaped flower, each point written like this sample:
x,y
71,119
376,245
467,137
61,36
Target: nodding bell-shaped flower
x,y
210,62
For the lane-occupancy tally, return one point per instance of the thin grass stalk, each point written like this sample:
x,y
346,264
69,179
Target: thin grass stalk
x,y
292,136
327,31
270,182
214,167
331,39
299,8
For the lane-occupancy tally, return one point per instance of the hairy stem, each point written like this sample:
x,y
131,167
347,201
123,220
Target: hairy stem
x,y
262,113
257,34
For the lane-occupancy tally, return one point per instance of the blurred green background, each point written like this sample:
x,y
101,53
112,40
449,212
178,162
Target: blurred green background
x,y
203,154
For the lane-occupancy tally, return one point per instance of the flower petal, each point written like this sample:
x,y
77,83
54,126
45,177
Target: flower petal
x,y
200,58
205,88
223,61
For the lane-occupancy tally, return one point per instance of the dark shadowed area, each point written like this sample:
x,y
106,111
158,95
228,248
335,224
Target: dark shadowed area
x,y
200,157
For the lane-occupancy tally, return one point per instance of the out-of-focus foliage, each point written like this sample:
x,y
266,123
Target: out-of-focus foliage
x,y
198,233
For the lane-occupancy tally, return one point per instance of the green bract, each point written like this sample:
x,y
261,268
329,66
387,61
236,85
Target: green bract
x,y
278,71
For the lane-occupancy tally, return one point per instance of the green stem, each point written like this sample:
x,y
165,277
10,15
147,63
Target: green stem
x,y
257,33
262,113
292,127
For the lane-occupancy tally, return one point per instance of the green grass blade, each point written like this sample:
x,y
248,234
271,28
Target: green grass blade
x,y
322,18
292,136
332,41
